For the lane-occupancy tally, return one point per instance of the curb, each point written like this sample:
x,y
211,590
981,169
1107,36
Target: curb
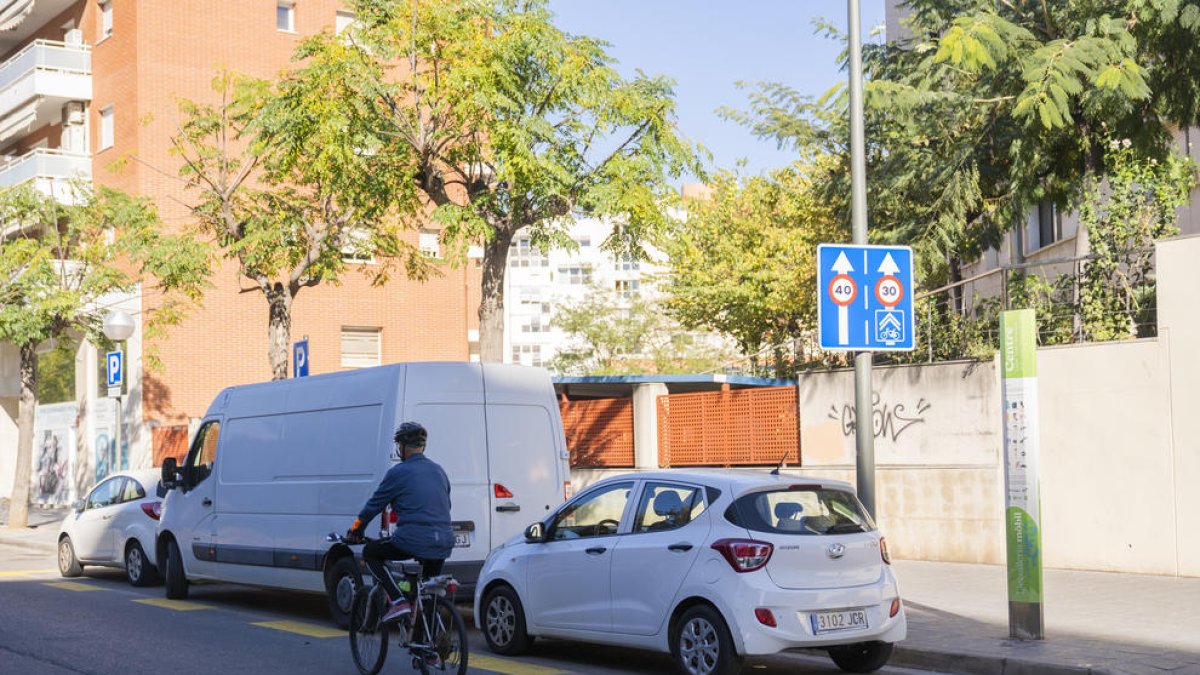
x,y
979,664
29,539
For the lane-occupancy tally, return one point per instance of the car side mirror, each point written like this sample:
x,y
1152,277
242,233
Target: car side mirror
x,y
535,533
170,474
78,505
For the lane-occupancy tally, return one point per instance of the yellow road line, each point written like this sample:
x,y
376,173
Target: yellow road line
x,y
301,628
26,573
74,586
508,666
177,605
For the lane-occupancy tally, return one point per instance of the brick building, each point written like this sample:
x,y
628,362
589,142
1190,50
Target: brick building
x,y
87,86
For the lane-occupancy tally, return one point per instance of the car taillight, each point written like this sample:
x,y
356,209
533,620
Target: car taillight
x,y
568,490
883,552
895,608
744,555
152,509
765,617
501,492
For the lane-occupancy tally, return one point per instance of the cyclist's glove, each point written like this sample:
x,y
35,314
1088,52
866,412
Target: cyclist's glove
x,y
355,534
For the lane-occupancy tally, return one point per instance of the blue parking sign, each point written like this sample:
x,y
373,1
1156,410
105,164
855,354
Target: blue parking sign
x,y
865,298
300,359
114,368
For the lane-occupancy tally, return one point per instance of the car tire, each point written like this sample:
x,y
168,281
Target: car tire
x,y
503,619
342,579
861,657
176,580
68,564
702,645
138,569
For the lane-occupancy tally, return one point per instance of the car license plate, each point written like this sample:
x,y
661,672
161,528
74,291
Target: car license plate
x,y
462,539
828,622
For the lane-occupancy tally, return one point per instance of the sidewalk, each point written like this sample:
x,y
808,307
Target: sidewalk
x,y
42,533
1096,622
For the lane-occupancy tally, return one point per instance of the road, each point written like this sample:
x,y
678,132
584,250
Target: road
x,y
99,624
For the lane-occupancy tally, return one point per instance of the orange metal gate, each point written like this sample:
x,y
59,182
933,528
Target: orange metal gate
x,y
729,428
599,432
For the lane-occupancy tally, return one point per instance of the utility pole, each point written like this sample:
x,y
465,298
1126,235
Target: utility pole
x,y
864,433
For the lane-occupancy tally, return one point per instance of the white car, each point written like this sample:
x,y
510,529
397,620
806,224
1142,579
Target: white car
x,y
708,565
114,526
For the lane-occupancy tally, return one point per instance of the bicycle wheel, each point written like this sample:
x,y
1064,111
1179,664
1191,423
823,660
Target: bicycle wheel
x,y
448,639
368,636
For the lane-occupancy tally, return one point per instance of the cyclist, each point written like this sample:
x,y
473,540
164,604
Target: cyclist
x,y
419,492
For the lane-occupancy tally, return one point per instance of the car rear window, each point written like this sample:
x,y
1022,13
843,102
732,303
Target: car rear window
x,y
804,510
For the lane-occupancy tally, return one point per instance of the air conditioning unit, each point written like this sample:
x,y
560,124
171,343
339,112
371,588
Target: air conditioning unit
x,y
74,38
73,113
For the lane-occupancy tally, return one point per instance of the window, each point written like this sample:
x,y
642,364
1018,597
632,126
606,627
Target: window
x,y
627,263
535,325
583,242
667,507
106,19
360,347
345,19
628,288
595,514
430,246
522,253
1049,223
203,456
106,127
106,493
285,16
576,276
358,247
527,355
800,509
132,491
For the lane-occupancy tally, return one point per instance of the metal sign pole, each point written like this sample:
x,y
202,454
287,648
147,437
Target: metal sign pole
x,y
864,433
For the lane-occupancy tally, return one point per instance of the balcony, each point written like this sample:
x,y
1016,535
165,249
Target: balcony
x,y
51,170
20,19
36,82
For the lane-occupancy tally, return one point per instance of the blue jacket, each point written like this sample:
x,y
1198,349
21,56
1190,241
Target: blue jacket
x,y
419,493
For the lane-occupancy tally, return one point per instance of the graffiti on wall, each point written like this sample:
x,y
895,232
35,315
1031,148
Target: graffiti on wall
x,y
888,420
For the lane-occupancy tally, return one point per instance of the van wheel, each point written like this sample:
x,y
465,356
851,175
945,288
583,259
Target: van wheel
x,y
176,580
701,644
861,657
504,622
68,564
341,581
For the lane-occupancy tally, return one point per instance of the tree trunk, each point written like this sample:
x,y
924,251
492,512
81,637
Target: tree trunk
x,y
279,330
18,507
491,305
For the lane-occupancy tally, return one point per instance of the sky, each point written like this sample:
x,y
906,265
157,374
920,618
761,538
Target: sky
x,y
707,46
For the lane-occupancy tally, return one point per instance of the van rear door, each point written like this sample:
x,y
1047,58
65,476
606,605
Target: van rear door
x,y
523,466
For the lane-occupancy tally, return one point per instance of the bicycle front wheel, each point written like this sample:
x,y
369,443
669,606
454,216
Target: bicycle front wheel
x,y
448,638
368,635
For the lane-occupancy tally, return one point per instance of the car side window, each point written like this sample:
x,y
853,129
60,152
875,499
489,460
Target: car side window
x,y
665,506
594,514
132,491
106,493
204,453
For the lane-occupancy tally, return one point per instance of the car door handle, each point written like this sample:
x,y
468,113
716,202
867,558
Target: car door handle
x,y
596,550
679,547
206,502
508,508
108,517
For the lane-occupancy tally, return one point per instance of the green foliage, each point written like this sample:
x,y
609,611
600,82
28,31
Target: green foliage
x,y
744,264
56,375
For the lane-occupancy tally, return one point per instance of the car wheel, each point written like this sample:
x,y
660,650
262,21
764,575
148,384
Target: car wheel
x,y
341,581
68,564
861,657
176,580
137,566
504,622
701,644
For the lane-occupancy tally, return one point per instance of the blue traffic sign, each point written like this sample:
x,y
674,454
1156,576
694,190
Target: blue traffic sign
x,y
865,298
114,368
300,359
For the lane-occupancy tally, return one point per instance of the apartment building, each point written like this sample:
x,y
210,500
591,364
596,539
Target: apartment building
x,y
87,86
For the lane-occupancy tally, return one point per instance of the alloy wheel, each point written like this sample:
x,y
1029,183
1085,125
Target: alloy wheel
x,y
699,647
501,620
133,562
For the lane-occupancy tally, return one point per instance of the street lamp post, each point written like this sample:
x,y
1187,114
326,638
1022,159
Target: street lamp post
x,y
119,327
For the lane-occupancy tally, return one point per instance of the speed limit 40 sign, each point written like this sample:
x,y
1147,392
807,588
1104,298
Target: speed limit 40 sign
x,y
865,297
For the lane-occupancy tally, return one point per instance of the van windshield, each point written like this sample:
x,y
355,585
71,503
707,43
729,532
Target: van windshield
x,y
803,510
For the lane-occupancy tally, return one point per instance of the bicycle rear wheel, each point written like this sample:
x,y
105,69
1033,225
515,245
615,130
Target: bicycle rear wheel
x,y
448,639
368,635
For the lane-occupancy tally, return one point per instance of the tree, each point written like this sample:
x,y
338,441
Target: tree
x,y
613,335
992,107
59,265
290,188
504,123
744,263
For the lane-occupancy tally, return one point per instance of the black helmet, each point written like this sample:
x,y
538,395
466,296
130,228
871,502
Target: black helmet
x,y
411,434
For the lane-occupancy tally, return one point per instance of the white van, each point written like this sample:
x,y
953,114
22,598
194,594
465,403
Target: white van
x,y
274,467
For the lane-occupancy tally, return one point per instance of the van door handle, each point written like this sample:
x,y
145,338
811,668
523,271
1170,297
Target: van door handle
x,y
679,547
206,502
595,550
508,508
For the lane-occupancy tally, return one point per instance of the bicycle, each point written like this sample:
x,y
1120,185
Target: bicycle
x,y
433,615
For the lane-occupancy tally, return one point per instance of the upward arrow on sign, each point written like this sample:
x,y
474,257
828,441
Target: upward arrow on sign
x,y
889,266
842,264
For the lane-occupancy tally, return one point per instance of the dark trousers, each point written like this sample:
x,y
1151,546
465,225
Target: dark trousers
x,y
376,554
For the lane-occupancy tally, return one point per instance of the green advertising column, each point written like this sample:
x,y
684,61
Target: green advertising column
x,y
1018,364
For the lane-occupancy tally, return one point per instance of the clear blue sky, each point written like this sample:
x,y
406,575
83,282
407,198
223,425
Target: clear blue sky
x,y
707,46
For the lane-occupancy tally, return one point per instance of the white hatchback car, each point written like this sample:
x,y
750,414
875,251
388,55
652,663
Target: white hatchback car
x,y
114,526
708,565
